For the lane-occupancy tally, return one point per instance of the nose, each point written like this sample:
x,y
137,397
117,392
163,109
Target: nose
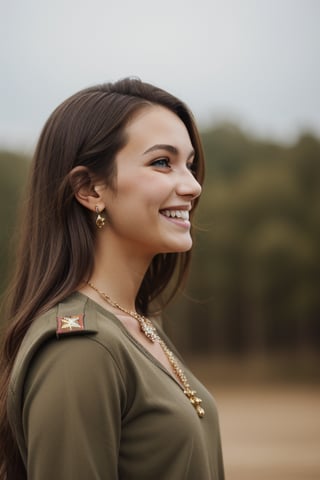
x,y
188,186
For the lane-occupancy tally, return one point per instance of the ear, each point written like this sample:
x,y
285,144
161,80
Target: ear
x,y
85,190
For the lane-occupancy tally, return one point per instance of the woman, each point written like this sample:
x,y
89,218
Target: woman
x,y
92,387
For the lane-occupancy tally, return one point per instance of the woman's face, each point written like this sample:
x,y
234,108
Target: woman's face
x,y
154,189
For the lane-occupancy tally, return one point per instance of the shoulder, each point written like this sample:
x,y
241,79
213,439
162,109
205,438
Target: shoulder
x,y
74,321
71,337
65,318
76,316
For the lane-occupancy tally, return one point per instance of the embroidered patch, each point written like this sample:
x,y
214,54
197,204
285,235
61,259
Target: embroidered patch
x,y
70,324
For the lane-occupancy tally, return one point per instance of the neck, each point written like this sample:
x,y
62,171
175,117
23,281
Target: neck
x,y
118,272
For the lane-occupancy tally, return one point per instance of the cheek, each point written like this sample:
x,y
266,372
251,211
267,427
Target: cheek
x,y
151,190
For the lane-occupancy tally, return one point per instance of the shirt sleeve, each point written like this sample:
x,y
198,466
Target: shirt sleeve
x,y
73,402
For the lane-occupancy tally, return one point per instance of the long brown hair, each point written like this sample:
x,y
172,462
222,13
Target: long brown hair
x,y
57,234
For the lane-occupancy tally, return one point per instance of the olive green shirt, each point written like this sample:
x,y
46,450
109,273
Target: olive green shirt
x,y
93,403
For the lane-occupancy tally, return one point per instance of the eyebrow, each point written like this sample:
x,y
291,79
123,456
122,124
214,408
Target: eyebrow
x,y
169,148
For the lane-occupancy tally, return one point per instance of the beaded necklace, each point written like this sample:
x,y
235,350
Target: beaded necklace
x,y
149,330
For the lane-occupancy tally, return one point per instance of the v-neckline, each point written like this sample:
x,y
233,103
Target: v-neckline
x,y
133,340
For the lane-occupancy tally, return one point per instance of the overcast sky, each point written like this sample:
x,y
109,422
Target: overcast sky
x,y
254,61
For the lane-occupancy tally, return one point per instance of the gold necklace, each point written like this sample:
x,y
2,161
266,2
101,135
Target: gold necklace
x,y
149,330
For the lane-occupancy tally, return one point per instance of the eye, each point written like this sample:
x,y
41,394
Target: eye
x,y
161,163
192,167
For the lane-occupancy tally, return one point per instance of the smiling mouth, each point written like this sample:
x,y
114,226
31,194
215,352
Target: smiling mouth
x,y
177,214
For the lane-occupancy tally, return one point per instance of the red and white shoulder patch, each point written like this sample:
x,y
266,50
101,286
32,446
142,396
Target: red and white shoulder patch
x,y
70,324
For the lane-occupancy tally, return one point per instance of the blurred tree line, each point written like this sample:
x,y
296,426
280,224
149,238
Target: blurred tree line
x,y
255,283
255,278
13,173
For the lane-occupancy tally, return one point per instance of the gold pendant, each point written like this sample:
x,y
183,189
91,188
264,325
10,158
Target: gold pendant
x,y
200,411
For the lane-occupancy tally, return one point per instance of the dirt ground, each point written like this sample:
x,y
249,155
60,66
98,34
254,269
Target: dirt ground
x,y
270,432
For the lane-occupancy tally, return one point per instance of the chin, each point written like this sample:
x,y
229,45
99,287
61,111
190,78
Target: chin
x,y
185,247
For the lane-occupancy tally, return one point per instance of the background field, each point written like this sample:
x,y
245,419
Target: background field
x,y
270,425
270,432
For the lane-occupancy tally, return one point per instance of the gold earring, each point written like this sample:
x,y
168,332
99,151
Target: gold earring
x,y
100,220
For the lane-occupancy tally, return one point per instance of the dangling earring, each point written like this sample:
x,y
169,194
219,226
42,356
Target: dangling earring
x,y
100,220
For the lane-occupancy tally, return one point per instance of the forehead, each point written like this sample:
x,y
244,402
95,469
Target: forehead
x,y
157,125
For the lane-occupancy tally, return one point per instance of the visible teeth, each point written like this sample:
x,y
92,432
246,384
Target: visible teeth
x,y
184,214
